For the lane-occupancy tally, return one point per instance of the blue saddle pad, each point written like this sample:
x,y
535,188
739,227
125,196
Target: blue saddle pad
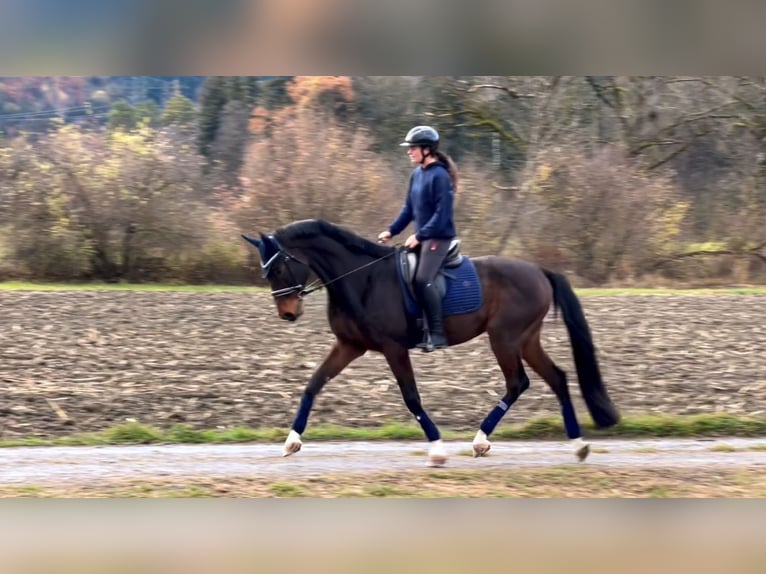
x,y
462,291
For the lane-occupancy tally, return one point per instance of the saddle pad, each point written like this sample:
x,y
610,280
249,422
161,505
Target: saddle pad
x,y
463,291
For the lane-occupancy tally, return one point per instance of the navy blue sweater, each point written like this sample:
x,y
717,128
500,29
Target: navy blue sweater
x,y
429,203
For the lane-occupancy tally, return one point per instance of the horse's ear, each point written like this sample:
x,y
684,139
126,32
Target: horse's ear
x,y
253,240
270,246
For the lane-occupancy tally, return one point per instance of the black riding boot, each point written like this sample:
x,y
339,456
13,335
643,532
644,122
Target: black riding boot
x,y
434,333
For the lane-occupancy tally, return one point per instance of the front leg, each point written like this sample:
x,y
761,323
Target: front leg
x,y
398,358
339,357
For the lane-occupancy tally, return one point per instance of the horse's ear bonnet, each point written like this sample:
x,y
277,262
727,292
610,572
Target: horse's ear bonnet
x,y
253,240
268,249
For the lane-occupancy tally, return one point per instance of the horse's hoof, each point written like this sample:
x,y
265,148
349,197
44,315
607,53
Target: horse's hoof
x,y
481,445
582,452
437,455
480,449
435,461
582,449
291,448
292,443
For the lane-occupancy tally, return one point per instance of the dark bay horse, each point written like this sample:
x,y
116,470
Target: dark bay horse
x,y
366,312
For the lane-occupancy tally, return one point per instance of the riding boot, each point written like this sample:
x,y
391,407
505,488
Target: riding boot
x,y
432,307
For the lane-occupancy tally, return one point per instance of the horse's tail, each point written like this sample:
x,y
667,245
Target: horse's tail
x,y
602,410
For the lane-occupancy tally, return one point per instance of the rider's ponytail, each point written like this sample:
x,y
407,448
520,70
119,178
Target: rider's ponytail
x,y
451,167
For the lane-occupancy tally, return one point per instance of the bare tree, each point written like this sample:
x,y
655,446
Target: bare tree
x,y
306,164
107,205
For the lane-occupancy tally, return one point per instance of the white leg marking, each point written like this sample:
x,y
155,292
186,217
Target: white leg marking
x,y
292,443
481,444
437,454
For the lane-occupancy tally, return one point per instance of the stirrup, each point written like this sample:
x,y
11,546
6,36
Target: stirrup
x,y
428,345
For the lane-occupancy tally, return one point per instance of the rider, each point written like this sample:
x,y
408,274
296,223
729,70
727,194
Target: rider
x,y
429,203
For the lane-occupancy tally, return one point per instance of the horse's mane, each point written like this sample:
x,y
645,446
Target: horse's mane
x,y
313,228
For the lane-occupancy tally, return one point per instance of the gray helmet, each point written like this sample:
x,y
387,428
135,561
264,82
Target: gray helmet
x,y
421,135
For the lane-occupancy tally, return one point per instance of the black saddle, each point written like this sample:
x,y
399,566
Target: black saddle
x,y
408,263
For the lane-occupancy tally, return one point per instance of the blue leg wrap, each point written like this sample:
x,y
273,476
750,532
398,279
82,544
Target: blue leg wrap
x,y
299,425
432,433
494,416
570,420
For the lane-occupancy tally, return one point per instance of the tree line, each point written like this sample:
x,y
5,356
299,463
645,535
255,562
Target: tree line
x,y
614,180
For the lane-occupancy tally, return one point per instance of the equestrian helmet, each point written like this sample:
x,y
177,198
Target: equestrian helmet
x,y
421,135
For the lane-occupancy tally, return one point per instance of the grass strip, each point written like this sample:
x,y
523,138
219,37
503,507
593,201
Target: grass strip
x,y
545,428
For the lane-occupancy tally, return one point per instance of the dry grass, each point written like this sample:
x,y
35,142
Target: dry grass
x,y
578,481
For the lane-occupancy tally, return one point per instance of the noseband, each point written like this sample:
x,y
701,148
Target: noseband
x,y
296,287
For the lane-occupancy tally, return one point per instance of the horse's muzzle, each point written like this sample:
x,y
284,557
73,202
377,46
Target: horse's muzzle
x,y
289,316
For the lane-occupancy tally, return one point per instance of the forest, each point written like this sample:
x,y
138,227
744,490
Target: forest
x,y
613,180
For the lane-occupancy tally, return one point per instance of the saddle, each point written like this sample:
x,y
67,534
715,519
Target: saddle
x,y
408,264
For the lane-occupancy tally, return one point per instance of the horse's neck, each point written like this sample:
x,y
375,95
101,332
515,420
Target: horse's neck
x,y
345,274
329,259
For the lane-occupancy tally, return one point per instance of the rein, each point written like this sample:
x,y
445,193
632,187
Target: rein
x,y
317,283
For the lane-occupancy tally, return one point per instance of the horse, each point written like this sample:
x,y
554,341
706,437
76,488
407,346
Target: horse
x,y
368,311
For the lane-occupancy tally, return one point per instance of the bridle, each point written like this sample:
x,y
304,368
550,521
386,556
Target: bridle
x,y
296,287
315,285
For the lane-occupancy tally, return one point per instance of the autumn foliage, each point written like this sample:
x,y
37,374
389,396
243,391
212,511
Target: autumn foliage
x,y
304,163
612,180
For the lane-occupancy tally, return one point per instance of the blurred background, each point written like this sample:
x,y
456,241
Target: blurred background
x,y
615,180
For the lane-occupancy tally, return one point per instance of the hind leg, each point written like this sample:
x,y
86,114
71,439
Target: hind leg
x,y
508,356
542,364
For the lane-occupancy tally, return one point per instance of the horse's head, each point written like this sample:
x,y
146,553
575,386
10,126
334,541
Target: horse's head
x,y
286,275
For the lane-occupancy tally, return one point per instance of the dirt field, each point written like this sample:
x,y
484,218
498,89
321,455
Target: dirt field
x,y
83,361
